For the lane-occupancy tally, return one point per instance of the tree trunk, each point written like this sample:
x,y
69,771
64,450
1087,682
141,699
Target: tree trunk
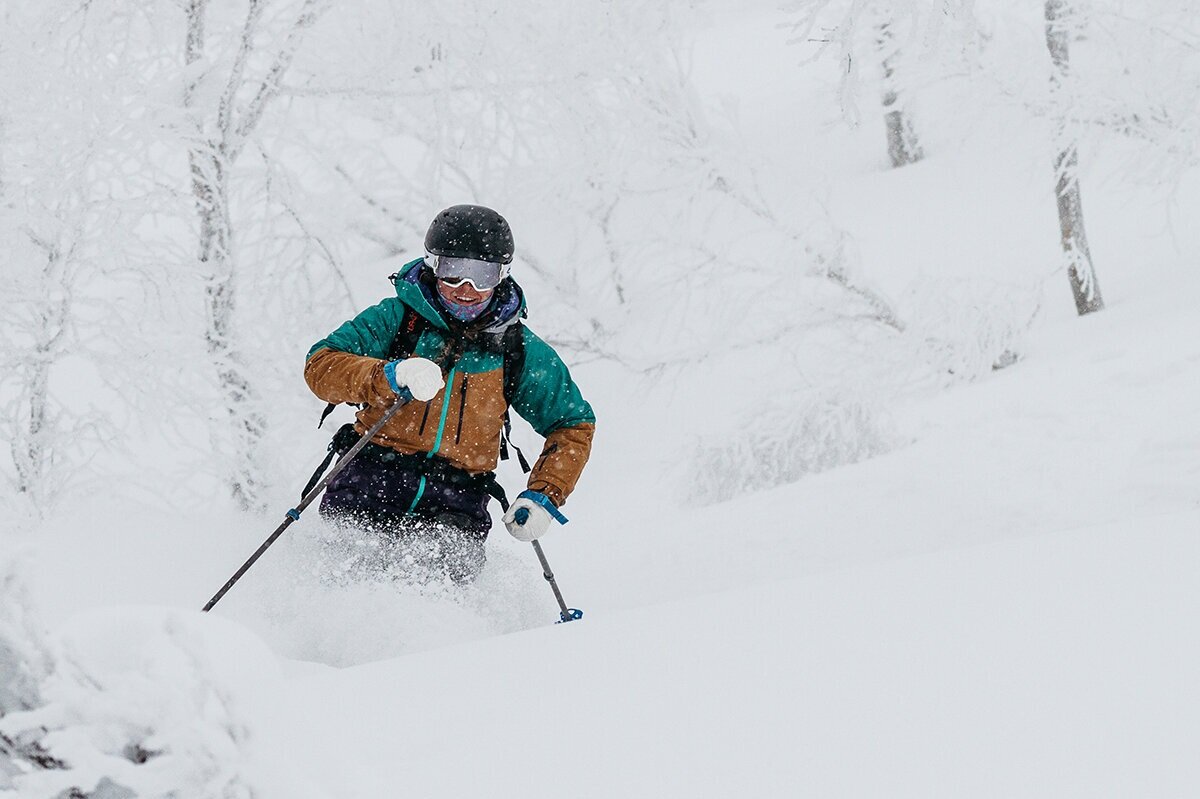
x,y
32,447
29,450
247,424
903,146
1082,274
211,157
210,187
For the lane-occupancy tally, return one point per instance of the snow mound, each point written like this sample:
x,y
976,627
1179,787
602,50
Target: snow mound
x,y
150,702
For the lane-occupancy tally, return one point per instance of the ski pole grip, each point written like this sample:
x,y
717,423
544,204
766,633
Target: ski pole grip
x,y
521,516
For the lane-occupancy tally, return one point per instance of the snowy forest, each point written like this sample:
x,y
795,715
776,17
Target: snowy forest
x,y
885,308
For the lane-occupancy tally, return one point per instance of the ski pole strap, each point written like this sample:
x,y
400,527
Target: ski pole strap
x,y
541,499
389,371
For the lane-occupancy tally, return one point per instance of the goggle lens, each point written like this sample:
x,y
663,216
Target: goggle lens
x,y
482,275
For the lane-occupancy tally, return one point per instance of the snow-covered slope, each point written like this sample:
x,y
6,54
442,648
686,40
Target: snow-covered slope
x,y
1042,645
1061,665
1003,607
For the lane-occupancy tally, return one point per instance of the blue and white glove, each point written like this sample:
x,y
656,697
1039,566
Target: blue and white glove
x,y
421,376
528,518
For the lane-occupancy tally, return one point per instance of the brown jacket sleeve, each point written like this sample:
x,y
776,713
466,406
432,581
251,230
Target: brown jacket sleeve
x,y
562,461
343,377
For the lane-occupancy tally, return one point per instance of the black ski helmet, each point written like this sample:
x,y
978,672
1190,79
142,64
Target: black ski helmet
x,y
470,231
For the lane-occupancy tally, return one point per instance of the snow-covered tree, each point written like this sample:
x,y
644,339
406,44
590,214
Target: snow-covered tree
x,y
1082,274
228,88
893,37
253,152
581,125
64,229
903,145
1111,75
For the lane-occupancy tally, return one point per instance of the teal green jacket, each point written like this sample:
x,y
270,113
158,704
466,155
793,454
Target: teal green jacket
x,y
464,422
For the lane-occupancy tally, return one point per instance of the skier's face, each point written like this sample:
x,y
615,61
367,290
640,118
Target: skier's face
x,y
464,293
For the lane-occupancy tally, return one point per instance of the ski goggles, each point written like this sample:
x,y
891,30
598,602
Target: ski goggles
x,y
482,275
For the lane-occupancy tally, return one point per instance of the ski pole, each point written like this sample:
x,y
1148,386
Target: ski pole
x,y
567,614
294,514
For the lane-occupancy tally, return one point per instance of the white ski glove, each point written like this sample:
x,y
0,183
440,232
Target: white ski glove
x,y
421,376
528,518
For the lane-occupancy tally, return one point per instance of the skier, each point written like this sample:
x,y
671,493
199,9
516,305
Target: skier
x,y
452,343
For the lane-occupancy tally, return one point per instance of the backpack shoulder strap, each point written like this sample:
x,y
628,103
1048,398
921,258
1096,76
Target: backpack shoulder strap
x,y
514,360
513,345
404,344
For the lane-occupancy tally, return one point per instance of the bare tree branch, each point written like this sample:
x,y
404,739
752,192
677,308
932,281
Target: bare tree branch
x,y
254,14
272,83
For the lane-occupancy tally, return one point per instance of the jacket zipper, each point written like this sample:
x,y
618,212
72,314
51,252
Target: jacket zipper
x,y
437,443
